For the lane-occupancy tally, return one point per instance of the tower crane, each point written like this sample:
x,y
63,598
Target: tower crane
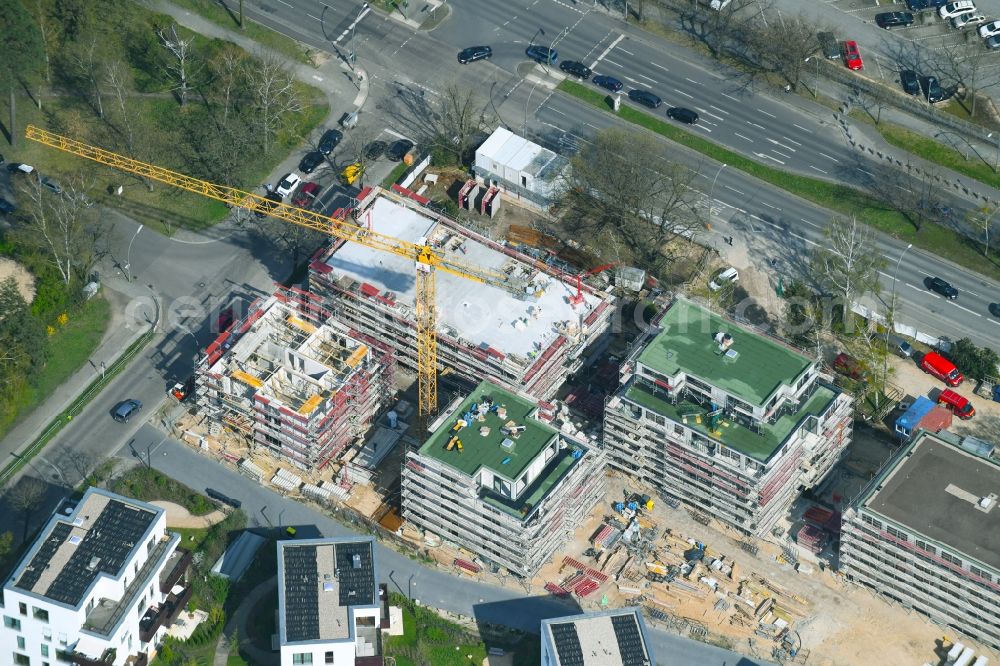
x,y
426,259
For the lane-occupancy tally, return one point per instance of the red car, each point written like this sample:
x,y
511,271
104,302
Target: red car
x,y
852,57
306,195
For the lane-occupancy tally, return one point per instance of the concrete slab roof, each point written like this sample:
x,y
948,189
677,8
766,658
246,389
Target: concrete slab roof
x,y
515,152
477,313
479,451
933,489
687,344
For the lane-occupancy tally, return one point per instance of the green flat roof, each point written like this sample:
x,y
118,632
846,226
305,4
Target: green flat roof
x,y
733,435
687,343
478,451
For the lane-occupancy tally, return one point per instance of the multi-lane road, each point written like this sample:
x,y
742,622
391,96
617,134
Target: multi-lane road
x,y
781,131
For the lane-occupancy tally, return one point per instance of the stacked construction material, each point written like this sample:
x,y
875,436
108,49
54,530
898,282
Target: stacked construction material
x,y
811,538
823,519
471,567
286,480
557,590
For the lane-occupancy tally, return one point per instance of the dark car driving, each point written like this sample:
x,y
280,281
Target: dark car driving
x,y
311,161
942,287
125,410
910,82
890,20
542,54
645,98
679,113
329,141
608,82
577,69
474,53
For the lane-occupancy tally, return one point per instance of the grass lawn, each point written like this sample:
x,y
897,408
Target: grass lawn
x,y
215,12
395,174
148,485
840,198
932,150
236,660
69,349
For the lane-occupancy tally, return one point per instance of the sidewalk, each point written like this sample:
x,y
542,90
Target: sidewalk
x,y
119,336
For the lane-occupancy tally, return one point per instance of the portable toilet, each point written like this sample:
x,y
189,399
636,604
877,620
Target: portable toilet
x,y
954,653
966,657
982,660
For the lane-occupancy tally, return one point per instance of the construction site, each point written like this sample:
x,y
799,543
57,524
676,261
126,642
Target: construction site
x,y
294,382
528,341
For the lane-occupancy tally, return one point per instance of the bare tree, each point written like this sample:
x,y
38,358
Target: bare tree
x,y
87,65
461,119
621,183
982,219
783,46
182,68
25,497
62,227
120,81
849,263
724,30
272,88
228,70
872,99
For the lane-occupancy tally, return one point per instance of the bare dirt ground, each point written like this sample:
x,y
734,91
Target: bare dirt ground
x,y
914,381
24,279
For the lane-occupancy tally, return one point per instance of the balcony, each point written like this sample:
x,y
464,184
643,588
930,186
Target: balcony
x,y
175,568
164,614
79,659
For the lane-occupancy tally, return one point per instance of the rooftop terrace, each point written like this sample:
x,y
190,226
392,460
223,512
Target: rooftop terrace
x,y
477,313
480,451
687,343
737,437
933,489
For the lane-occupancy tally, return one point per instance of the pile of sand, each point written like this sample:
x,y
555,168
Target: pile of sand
x,y
25,280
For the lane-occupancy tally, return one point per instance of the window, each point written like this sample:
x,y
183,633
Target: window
x,y
948,557
871,521
62,639
47,633
20,642
21,660
926,546
329,658
45,650
11,623
896,533
979,572
302,658
22,608
40,614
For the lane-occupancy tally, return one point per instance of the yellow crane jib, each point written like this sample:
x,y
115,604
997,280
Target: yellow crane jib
x,y
426,259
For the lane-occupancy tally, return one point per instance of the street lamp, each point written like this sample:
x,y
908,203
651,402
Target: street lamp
x,y
354,28
540,31
128,255
996,163
711,191
815,85
890,319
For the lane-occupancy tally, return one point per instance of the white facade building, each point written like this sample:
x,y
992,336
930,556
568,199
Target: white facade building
x,y
523,170
329,602
99,586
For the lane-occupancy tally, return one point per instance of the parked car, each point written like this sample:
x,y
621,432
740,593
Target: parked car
x,y
932,89
922,5
852,56
268,203
6,207
375,150
990,29
542,54
953,9
680,114
311,161
890,20
51,185
329,141
828,44
645,98
577,69
965,20
398,150
608,82
910,82
848,366
125,410
306,195
287,184
904,348
992,42
942,287
474,53
957,403
728,276
19,167
942,368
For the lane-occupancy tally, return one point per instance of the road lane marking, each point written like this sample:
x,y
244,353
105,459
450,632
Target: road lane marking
x,y
730,97
684,93
966,309
831,158
756,125
743,137
734,190
791,140
712,106
607,51
697,83
817,169
764,156
766,113
660,66
778,152
611,62
708,113
866,171
764,203
648,79
313,17
802,238
778,143
802,128
626,52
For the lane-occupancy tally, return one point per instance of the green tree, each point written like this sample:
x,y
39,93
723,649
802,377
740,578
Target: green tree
x,y
974,362
849,264
21,54
6,544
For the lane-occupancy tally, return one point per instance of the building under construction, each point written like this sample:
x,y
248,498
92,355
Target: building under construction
x,y
726,419
527,341
290,379
925,532
497,480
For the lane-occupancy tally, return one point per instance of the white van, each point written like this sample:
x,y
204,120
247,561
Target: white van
x,y
724,278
